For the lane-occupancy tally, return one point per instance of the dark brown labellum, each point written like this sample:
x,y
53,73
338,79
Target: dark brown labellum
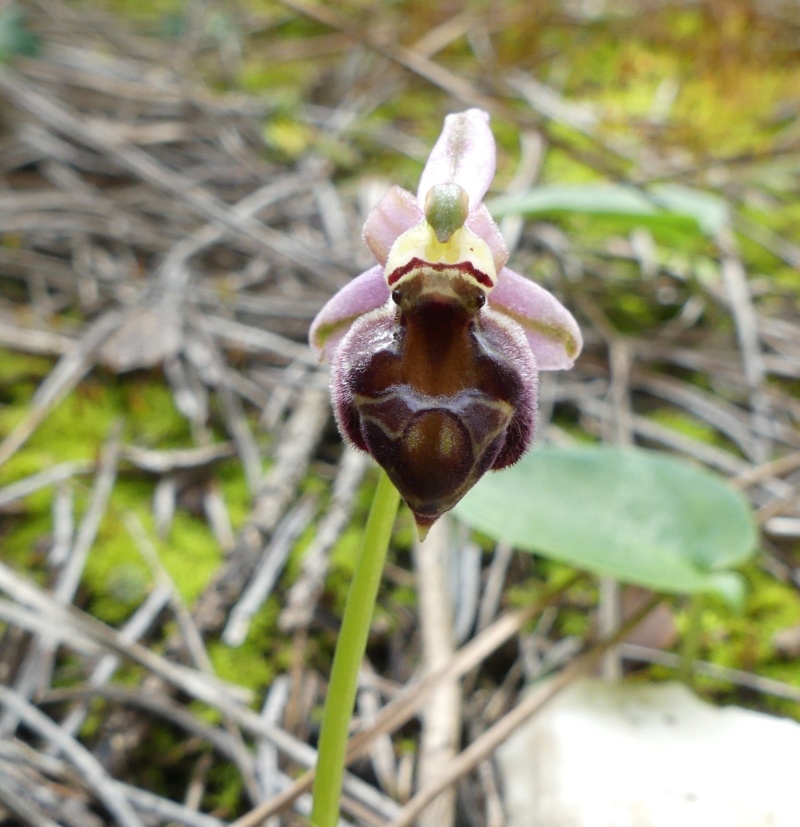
x,y
438,393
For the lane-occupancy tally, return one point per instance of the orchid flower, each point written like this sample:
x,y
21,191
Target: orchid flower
x,y
435,351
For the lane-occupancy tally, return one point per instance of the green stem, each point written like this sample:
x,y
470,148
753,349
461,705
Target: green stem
x,y
349,654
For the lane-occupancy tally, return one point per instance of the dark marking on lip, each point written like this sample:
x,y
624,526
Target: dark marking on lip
x,y
464,267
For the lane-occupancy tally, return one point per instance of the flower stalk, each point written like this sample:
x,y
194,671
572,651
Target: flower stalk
x,y
350,648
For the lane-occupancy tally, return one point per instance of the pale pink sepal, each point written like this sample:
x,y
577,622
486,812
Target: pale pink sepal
x,y
357,297
551,330
483,225
395,213
463,155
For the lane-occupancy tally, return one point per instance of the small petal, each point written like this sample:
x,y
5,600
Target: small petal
x,y
483,225
552,332
357,297
395,213
463,155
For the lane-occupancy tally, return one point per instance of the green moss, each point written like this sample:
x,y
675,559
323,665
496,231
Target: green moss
x,y
265,653
689,426
190,555
225,791
115,576
151,417
743,640
77,427
345,551
21,367
283,83
145,10
247,665
783,218
298,552
721,127
404,597
574,623
25,538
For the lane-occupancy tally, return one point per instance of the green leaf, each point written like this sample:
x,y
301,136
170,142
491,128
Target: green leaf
x,y
637,515
15,38
665,207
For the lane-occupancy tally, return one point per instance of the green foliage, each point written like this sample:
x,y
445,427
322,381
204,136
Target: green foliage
x,y
24,540
15,37
665,208
641,517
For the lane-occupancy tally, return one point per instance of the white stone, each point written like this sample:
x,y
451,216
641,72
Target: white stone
x,y
650,755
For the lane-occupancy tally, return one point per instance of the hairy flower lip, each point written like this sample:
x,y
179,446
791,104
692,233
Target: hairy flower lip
x,y
432,446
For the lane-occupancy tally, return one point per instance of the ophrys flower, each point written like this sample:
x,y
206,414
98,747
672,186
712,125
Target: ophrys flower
x,y
435,351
